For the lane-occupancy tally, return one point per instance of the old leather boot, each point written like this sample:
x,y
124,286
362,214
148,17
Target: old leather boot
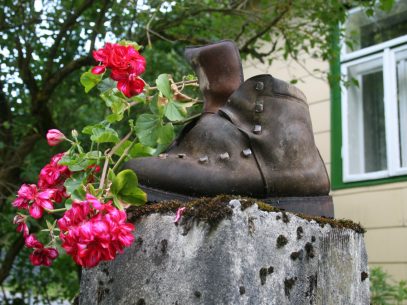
x,y
260,144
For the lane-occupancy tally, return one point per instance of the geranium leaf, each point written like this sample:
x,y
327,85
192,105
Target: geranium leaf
x,y
90,80
166,134
172,112
146,129
73,187
163,84
125,187
104,135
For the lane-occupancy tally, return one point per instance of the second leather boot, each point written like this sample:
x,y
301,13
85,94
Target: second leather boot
x,y
259,144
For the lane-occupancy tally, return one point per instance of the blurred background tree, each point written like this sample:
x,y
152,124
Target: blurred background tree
x,y
46,45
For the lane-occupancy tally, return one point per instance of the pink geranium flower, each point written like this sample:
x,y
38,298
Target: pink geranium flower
x,y
36,201
22,227
54,137
127,65
43,256
92,231
32,242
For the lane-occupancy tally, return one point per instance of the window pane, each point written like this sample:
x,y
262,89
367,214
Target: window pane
x,y
373,122
366,121
402,105
366,31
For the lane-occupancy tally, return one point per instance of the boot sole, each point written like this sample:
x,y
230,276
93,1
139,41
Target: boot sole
x,y
321,206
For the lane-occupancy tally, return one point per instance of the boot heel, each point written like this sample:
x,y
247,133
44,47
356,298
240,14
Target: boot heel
x,y
312,205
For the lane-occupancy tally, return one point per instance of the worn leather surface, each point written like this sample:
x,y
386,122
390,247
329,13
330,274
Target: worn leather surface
x,y
219,71
284,159
285,150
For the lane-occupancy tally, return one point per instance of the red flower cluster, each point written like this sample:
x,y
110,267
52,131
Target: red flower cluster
x,y
41,255
92,232
127,65
50,188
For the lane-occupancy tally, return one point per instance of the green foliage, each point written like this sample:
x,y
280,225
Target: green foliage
x,y
89,80
384,291
124,187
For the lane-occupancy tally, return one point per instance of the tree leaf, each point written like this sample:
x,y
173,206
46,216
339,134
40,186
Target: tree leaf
x,y
90,80
163,85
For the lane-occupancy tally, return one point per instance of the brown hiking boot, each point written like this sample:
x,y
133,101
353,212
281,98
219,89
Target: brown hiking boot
x,y
259,144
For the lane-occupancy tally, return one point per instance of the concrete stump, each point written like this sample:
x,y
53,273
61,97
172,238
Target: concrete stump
x,y
251,257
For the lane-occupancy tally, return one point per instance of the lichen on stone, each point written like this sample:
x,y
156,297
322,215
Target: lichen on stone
x,y
213,210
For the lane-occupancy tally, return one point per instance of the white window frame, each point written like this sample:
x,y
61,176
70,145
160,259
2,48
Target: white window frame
x,y
387,52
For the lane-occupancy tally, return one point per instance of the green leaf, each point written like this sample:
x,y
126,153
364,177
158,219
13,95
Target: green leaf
x,y
88,129
94,154
116,203
138,150
166,134
74,187
146,129
90,80
114,117
104,135
135,197
163,85
172,112
125,187
112,96
107,84
126,43
155,108
68,203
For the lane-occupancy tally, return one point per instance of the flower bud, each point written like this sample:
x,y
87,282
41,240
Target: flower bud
x,y
74,133
54,137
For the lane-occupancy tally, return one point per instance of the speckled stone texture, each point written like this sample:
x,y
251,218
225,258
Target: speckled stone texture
x,y
253,257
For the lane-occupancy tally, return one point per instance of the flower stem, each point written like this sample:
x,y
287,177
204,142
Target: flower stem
x,y
124,154
187,119
109,155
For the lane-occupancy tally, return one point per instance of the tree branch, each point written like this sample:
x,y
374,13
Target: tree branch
x,y
250,41
56,78
11,254
98,24
69,22
23,63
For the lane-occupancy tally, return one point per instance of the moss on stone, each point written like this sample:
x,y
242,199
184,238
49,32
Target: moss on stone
x,y
213,210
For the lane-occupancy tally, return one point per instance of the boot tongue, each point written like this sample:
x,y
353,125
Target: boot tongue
x,y
219,71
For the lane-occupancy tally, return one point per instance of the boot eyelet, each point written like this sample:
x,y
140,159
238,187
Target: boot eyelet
x,y
259,86
225,156
257,129
259,106
204,159
247,152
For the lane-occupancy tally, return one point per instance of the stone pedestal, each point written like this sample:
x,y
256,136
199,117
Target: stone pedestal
x,y
251,257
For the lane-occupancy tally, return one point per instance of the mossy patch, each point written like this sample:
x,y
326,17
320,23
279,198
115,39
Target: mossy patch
x,y
209,210
213,210
281,241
